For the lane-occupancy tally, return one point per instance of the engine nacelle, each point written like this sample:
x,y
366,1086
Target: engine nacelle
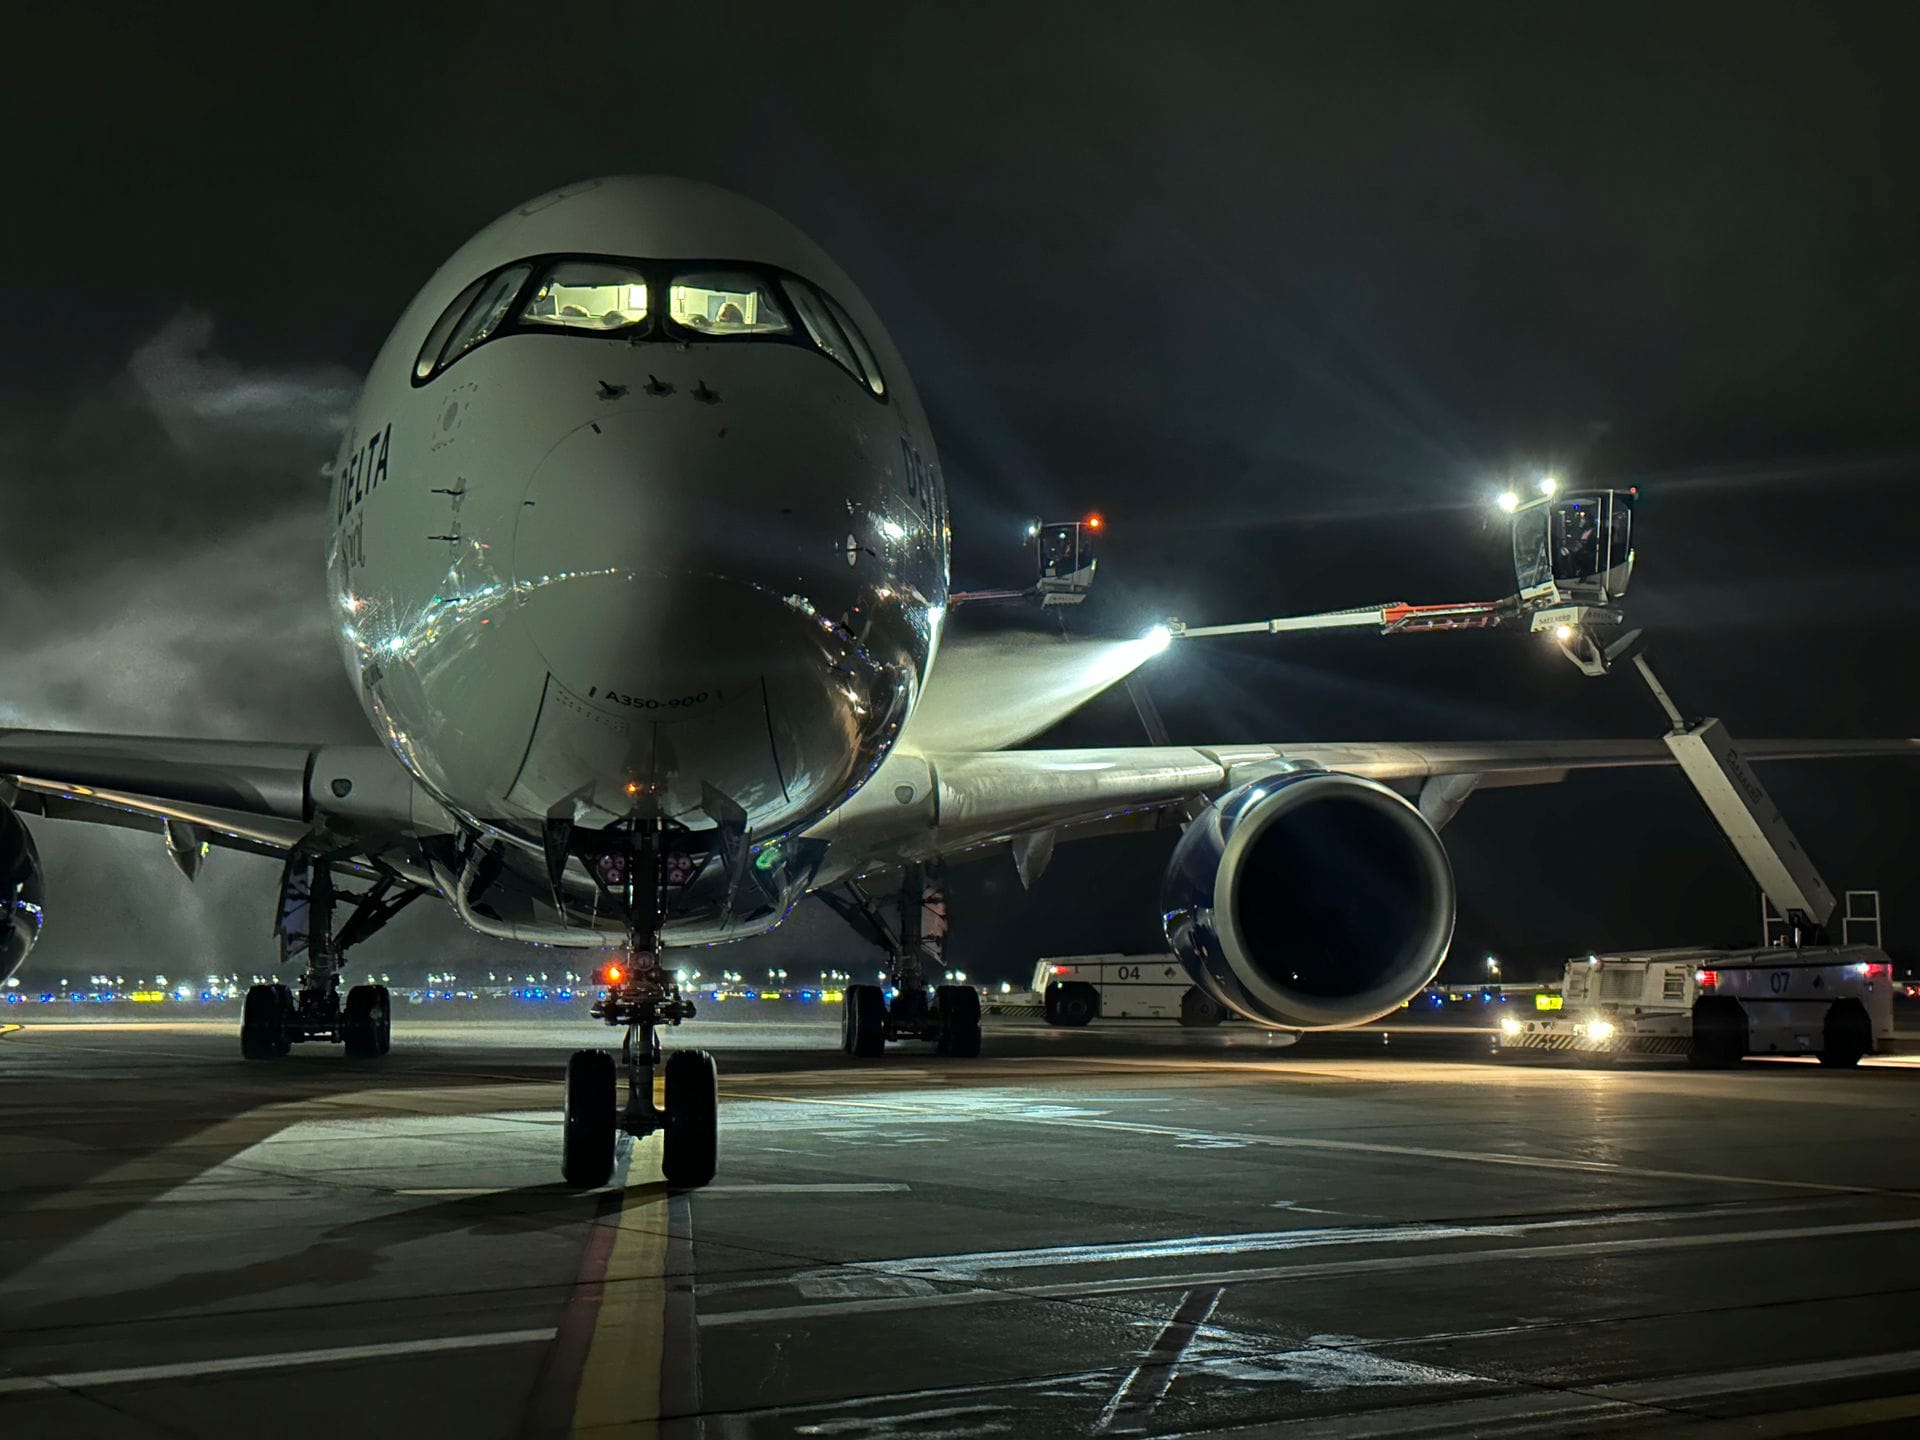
x,y
23,895
1310,900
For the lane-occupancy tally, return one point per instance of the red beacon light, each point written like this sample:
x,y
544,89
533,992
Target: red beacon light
x,y
1709,979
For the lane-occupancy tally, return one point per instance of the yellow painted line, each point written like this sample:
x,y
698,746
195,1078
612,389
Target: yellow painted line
x,y
9,1029
619,1391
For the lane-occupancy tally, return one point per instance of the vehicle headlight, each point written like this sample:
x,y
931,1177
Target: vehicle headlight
x,y
1600,1030
1511,1026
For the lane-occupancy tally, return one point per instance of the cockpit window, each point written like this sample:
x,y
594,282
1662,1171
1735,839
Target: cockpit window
x,y
588,295
833,331
725,302
484,315
436,341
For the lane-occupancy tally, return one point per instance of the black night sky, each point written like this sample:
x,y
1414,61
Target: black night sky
x,y
1285,290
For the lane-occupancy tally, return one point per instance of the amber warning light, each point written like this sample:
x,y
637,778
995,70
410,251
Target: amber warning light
x,y
1094,522
612,974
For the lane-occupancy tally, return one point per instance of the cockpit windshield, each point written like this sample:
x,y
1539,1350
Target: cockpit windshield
x,y
615,296
725,302
588,295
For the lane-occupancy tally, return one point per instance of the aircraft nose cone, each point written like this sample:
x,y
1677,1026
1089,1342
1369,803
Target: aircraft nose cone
x,y
683,603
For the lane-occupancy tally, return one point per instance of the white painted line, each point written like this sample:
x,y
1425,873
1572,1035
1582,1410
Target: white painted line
x,y
1390,1264
1559,1412
1293,1142
978,1264
286,1360
1140,1394
457,1191
877,1187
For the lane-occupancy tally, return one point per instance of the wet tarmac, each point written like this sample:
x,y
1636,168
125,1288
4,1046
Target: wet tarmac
x,y
1118,1231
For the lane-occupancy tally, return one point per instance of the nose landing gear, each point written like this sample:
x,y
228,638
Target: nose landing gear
x,y
642,996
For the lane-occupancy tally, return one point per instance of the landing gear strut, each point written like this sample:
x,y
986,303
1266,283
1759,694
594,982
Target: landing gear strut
x,y
641,995
277,1017
915,943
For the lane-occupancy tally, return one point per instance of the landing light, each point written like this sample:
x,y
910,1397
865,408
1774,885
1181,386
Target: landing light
x,y
1511,1026
1158,639
1548,485
1563,633
1599,1029
1508,501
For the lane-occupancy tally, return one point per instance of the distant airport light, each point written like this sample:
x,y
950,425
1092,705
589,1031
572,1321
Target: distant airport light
x,y
1511,1026
1509,502
1548,485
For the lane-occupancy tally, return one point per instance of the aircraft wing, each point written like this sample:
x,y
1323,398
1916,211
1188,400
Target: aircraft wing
x,y
962,801
245,795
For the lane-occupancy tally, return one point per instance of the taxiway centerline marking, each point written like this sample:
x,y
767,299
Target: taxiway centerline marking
x,y
1390,1264
284,1360
620,1382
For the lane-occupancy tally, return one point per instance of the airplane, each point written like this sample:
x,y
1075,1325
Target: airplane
x,y
637,546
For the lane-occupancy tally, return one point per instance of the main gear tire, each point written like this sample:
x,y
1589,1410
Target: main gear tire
x,y
866,1021
690,1148
958,1007
587,1124
364,1024
263,1022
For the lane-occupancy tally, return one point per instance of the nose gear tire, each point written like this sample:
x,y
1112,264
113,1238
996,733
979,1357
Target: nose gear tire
x,y
587,1126
690,1149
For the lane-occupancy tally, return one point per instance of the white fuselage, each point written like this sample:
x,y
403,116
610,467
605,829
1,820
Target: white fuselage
x,y
656,570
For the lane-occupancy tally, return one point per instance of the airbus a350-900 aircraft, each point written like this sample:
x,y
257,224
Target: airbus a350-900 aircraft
x,y
638,550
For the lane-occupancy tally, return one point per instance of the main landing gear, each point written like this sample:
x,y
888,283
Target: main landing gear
x,y
915,943
276,1016
642,996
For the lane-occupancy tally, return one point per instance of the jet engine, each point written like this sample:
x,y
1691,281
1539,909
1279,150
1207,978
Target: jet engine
x,y
22,895
1310,900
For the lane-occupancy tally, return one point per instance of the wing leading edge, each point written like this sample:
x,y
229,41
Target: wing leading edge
x,y
961,801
